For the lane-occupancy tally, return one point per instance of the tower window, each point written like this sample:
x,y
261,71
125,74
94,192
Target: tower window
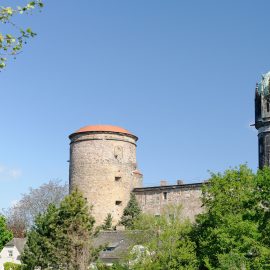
x,y
165,195
117,178
267,106
118,202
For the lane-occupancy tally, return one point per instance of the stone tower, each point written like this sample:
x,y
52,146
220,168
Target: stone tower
x,y
103,167
262,119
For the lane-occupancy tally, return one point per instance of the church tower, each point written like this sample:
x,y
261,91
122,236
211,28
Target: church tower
x,y
262,119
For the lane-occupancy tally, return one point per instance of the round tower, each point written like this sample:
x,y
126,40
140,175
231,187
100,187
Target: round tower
x,y
262,119
103,167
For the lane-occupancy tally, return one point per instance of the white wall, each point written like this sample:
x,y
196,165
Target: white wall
x,y
4,256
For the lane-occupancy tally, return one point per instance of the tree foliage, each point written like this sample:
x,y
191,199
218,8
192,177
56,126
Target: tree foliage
x,y
131,212
11,43
21,216
165,241
230,234
5,234
107,225
61,237
12,266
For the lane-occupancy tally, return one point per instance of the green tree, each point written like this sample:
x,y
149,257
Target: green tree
x,y
61,237
5,234
263,197
131,212
12,43
107,225
12,266
20,217
228,235
163,242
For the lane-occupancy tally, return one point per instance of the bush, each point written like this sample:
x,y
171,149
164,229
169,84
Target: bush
x,y
12,266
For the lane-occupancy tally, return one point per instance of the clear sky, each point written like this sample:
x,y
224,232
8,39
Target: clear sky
x,y
179,74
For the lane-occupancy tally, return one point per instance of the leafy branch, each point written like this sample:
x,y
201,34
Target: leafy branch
x,y
12,44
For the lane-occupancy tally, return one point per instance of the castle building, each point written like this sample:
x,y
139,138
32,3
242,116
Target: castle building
x,y
262,119
103,167
158,199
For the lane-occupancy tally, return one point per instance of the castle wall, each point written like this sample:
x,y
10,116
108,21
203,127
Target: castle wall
x,y
154,200
103,167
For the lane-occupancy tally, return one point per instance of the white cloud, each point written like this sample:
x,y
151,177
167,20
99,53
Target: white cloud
x,y
15,173
8,173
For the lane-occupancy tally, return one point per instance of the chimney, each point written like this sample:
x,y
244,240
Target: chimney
x,y
163,182
179,182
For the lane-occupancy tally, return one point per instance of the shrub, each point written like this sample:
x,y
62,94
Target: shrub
x,y
12,266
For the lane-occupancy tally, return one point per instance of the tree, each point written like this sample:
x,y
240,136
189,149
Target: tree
x,y
263,199
61,237
228,234
12,43
21,216
107,225
131,212
12,266
5,234
164,242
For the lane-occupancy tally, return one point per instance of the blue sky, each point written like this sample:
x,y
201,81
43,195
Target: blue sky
x,y
178,74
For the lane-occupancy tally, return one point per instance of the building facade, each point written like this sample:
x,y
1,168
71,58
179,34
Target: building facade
x,y
103,167
12,252
262,119
156,200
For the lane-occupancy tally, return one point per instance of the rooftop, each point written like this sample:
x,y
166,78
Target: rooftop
x,y
170,187
19,243
103,128
116,244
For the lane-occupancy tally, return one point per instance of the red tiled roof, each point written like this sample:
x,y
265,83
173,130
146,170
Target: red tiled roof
x,y
103,128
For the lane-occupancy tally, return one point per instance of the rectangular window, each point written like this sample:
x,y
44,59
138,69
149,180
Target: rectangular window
x,y
117,178
118,202
10,253
267,106
165,195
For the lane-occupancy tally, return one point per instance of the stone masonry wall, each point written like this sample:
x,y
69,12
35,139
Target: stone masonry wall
x,y
103,167
153,200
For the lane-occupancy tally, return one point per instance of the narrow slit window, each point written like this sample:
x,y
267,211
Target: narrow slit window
x,y
118,202
117,178
267,106
165,195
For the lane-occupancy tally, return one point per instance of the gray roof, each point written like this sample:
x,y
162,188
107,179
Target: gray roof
x,y
19,243
116,244
188,186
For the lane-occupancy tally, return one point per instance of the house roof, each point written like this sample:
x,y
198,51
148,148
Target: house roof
x,y
116,244
19,243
